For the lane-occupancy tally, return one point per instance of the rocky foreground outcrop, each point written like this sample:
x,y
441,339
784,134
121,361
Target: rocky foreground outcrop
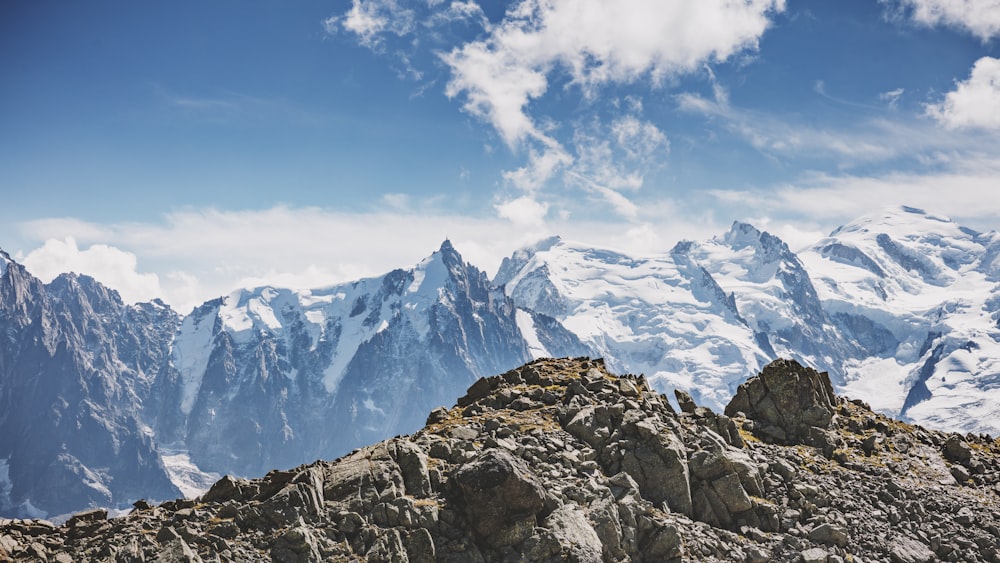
x,y
561,461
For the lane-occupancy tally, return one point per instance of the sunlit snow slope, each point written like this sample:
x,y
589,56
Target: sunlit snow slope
x,y
901,307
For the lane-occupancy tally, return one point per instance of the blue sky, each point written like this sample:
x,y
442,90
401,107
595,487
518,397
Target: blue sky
x,y
183,149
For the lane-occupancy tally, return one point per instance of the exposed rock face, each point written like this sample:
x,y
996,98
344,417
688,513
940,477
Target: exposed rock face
x,y
790,402
560,461
75,362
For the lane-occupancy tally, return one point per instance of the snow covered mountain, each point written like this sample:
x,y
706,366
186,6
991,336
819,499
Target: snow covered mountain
x,y
922,293
103,403
901,307
75,363
271,377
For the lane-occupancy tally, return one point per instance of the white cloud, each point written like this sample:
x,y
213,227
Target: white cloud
x,y
543,163
523,211
641,140
370,19
107,264
503,76
611,159
829,200
597,43
975,103
980,17
458,11
200,254
875,140
892,97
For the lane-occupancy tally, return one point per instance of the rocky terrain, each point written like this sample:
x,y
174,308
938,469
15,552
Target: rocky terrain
x,y
559,460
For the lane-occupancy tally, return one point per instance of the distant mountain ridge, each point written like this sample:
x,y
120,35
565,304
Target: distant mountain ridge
x,y
900,307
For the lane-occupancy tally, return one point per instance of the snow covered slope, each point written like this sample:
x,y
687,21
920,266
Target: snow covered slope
x,y
926,289
901,307
663,317
271,377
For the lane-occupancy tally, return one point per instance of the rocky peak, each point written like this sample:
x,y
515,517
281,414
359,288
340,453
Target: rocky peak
x,y
559,460
788,402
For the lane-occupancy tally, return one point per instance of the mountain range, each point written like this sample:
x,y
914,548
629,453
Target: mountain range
x,y
103,403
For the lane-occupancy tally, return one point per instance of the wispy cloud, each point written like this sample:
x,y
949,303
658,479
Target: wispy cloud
x,y
370,20
828,199
193,255
231,107
877,139
892,97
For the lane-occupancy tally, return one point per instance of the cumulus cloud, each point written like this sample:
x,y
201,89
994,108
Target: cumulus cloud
x,y
975,103
596,43
111,266
979,17
523,210
583,46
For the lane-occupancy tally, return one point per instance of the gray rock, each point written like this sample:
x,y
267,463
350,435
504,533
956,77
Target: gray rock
x,y
420,546
814,555
658,463
829,534
908,550
579,541
177,551
226,488
957,450
788,397
497,491
592,425
413,466
732,493
87,517
297,545
665,544
684,401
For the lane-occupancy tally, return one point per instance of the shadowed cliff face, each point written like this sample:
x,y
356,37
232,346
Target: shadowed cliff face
x,y
559,460
75,364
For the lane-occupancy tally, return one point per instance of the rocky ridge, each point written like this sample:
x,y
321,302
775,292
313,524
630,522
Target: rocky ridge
x,y
558,460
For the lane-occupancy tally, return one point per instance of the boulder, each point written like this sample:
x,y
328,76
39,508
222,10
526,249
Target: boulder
x,y
296,545
497,491
655,457
576,536
413,466
177,551
829,534
908,550
957,450
786,400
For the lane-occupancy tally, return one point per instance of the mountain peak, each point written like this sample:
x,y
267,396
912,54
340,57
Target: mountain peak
x,y
446,246
742,235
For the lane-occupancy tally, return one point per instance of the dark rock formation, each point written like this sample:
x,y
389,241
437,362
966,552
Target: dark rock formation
x,y
790,402
560,461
